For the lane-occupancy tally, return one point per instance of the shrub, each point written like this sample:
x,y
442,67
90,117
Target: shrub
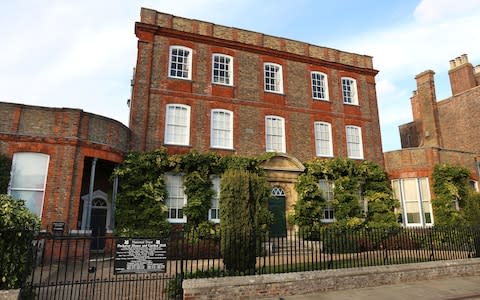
x,y
17,228
346,241
243,200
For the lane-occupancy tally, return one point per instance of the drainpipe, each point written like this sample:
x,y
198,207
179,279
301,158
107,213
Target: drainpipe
x,y
114,201
90,192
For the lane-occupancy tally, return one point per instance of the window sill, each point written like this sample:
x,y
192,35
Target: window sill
x,y
418,225
223,84
177,145
352,104
328,221
177,221
322,100
274,92
223,149
320,155
275,151
180,78
356,158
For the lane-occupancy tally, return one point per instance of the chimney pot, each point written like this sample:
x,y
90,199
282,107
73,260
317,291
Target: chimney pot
x,y
476,70
458,61
452,64
464,58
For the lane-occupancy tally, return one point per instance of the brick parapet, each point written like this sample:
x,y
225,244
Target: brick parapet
x,y
153,21
65,126
419,162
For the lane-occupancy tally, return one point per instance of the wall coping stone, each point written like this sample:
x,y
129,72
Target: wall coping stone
x,y
268,285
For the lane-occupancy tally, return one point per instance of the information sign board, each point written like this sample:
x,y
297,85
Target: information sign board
x,y
140,256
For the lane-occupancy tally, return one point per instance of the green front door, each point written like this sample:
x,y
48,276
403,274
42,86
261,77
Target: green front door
x,y
278,228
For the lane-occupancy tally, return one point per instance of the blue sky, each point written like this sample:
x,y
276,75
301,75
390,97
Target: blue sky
x,y
80,54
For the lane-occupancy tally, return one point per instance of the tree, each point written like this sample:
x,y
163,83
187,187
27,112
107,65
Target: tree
x,y
243,202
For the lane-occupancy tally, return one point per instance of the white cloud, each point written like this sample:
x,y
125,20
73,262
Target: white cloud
x,y
433,10
441,31
81,53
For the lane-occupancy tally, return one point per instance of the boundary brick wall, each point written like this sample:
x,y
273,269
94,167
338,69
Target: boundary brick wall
x,y
303,283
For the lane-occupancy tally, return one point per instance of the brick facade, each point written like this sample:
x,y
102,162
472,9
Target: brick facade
x,y
442,132
448,123
153,89
76,141
69,137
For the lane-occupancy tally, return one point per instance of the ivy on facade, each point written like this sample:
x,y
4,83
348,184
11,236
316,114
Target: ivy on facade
x,y
141,207
5,167
354,182
455,202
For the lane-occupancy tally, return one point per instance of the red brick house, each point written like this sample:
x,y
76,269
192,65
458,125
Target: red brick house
x,y
441,132
206,87
197,86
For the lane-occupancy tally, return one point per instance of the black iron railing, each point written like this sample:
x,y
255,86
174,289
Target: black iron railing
x,y
66,267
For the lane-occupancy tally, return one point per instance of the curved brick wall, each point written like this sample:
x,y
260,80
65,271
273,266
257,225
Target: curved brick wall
x,y
68,136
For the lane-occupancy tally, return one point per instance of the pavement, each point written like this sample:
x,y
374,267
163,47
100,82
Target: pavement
x,y
453,288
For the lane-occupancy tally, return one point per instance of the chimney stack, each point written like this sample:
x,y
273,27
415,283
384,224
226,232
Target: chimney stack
x,y
425,111
462,75
476,74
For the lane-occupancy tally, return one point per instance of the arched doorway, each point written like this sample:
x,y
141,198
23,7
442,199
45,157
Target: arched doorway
x,y
276,205
98,223
100,218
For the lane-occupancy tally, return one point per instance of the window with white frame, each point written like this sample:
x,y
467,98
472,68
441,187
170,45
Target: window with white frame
x,y
414,196
275,134
177,124
349,90
354,142
214,211
222,70
323,139
180,64
221,135
28,179
176,199
327,186
273,78
319,86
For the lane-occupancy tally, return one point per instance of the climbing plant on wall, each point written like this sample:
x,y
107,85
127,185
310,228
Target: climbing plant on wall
x,y
353,183
451,188
141,207
5,166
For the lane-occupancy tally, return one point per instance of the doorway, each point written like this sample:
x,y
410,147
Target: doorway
x,y
276,205
98,224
